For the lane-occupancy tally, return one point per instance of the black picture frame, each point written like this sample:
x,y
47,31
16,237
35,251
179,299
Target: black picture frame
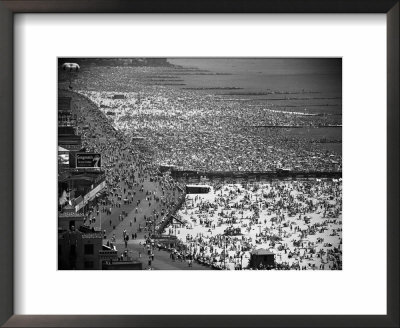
x,y
10,7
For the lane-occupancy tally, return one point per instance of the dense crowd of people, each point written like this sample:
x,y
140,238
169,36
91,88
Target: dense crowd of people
x,y
194,131
299,221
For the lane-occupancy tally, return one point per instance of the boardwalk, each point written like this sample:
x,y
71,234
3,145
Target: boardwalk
x,y
112,223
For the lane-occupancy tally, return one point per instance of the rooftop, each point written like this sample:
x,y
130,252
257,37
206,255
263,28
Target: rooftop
x,y
262,251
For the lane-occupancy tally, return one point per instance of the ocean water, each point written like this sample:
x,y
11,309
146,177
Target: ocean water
x,y
316,84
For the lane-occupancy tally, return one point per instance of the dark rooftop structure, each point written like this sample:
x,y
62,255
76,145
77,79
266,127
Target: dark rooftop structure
x,y
262,258
64,103
66,131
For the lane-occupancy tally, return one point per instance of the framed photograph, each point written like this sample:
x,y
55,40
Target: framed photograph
x,y
202,164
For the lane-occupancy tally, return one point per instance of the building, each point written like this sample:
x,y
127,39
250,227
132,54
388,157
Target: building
x,y
262,258
79,247
63,158
81,186
83,249
68,139
64,104
122,265
68,218
65,115
78,250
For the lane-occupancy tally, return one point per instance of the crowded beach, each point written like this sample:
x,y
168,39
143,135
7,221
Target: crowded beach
x,y
299,221
138,127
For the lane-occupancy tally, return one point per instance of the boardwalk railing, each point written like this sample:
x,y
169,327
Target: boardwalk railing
x,y
170,215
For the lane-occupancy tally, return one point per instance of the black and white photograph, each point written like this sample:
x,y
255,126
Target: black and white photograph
x,y
199,163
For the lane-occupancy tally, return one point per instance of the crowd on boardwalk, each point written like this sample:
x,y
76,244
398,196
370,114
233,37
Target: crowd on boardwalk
x,y
299,221
195,131
126,172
